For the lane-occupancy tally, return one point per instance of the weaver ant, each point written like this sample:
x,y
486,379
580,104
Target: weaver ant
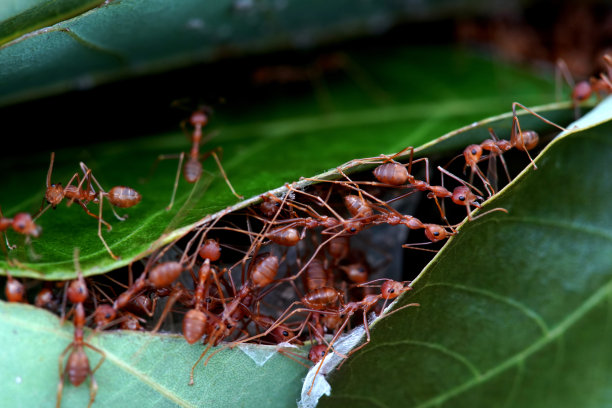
x,y
583,90
77,367
22,223
192,171
118,196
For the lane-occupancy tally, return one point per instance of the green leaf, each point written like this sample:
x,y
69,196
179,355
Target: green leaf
x,y
264,147
85,42
139,368
515,309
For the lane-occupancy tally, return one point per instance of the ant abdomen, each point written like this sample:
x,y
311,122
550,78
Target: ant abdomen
x,y
315,275
391,173
195,323
264,269
78,366
165,274
284,236
192,170
339,247
357,206
124,197
582,91
320,298
14,290
527,140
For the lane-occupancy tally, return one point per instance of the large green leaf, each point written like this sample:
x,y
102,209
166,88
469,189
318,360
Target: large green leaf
x,y
140,368
515,310
155,367
264,147
85,42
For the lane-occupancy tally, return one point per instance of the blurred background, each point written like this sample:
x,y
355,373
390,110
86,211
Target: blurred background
x,y
60,97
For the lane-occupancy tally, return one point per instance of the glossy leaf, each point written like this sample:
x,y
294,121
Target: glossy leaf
x,y
139,368
263,148
515,309
86,42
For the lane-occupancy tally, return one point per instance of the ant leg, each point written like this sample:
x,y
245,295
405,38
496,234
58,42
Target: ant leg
x,y
156,163
115,257
197,362
102,193
561,70
176,181
213,153
62,374
93,388
108,226
516,133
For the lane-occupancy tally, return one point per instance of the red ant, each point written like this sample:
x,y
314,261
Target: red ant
x,y
21,223
583,90
14,290
389,290
192,171
118,196
519,140
77,366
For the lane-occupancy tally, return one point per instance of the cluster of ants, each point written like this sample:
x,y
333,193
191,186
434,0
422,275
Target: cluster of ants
x,y
293,249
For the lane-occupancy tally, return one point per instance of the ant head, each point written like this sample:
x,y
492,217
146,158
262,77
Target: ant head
x,y
462,195
77,291
104,314
472,154
54,194
23,224
356,272
282,334
317,353
392,289
435,232
210,250
353,227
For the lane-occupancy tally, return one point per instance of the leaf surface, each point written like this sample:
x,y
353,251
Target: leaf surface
x,y
515,309
263,147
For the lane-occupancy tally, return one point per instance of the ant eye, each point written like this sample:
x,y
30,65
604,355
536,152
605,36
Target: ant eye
x,y
208,300
461,198
229,326
322,353
474,151
436,234
285,333
393,290
353,229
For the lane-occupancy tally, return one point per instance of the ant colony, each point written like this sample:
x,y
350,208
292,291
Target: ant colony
x,y
296,269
